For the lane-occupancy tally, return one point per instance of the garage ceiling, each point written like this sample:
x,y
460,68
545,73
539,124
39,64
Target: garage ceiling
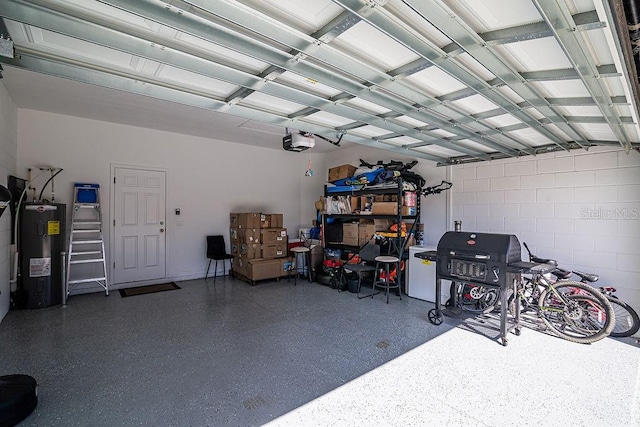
x,y
451,81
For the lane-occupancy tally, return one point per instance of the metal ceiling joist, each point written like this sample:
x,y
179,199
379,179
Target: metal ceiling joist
x,y
239,15
83,72
328,32
577,101
559,20
584,21
537,30
428,51
437,13
335,27
608,70
65,24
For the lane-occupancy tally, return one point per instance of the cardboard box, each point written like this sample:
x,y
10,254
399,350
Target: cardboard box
x,y
261,269
355,203
409,210
273,235
271,220
250,251
341,172
249,235
385,208
277,220
383,224
241,266
366,230
245,220
350,233
275,250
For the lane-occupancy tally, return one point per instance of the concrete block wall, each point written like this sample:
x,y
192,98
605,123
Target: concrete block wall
x,y
580,208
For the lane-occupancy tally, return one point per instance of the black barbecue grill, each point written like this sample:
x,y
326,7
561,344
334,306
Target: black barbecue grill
x,y
482,259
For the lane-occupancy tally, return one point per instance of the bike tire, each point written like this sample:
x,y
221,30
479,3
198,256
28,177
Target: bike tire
x,y
583,315
627,320
478,299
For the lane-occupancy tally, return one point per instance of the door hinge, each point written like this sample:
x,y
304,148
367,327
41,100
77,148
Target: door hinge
x,y
114,265
114,179
114,222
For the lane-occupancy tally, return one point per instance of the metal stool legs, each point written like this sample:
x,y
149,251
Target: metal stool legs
x,y
306,257
387,261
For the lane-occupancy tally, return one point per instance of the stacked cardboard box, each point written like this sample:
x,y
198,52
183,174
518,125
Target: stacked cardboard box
x,y
259,245
341,172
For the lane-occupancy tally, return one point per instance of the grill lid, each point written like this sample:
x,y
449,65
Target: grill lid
x,y
500,248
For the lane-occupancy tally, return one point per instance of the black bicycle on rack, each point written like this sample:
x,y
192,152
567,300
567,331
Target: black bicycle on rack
x,y
627,321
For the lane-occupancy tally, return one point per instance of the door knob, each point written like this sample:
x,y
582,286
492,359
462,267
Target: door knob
x,y
161,222
162,230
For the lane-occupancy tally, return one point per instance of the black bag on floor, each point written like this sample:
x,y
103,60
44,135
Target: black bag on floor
x,y
18,398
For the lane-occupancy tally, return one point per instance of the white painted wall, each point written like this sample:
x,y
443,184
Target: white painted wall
x,y
433,208
206,178
582,209
8,160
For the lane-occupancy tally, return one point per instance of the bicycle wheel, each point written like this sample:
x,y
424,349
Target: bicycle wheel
x,y
627,320
477,299
576,312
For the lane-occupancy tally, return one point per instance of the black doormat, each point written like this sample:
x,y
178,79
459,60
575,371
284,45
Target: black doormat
x,y
149,289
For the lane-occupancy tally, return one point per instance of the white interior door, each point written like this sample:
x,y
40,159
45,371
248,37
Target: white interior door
x,y
139,212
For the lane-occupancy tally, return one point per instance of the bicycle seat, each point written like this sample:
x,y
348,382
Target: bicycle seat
x,y
544,261
561,273
587,277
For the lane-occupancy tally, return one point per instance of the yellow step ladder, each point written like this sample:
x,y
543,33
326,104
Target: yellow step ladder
x,y
86,263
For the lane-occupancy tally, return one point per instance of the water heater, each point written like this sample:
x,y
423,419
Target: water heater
x,y
42,241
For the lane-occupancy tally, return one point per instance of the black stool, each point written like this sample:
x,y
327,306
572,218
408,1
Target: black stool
x,y
384,262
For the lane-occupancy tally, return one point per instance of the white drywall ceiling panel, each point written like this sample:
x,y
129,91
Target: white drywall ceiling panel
x,y
597,131
369,131
411,121
328,119
474,104
196,81
531,137
305,15
365,105
375,46
580,110
437,150
402,140
562,88
534,55
488,15
503,120
305,83
76,48
435,81
271,103
225,55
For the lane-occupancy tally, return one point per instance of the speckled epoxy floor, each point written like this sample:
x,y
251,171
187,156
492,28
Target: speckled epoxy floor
x,y
233,354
